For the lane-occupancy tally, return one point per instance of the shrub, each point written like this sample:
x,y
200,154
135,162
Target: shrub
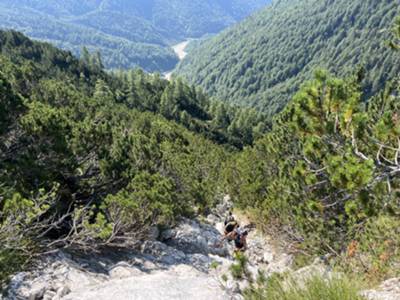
x,y
316,288
375,249
239,269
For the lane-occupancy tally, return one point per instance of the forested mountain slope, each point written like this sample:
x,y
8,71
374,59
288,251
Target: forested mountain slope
x,y
262,61
128,33
89,159
328,175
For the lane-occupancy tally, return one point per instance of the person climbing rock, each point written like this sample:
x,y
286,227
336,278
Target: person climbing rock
x,y
239,237
231,235
231,230
241,241
230,224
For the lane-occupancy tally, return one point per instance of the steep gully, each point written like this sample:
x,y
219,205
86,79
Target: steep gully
x,y
177,263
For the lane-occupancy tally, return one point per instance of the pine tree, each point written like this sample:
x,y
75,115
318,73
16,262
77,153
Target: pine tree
x,y
86,57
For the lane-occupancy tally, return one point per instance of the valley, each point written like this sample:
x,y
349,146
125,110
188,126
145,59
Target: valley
x,y
179,50
127,34
258,158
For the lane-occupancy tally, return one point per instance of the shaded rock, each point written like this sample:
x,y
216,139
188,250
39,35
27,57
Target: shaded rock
x,y
163,253
23,287
200,262
167,235
192,237
154,233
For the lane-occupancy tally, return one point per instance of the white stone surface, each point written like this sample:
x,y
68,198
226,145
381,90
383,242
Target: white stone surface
x,y
180,282
175,267
388,290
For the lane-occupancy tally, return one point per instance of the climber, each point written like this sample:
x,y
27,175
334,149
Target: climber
x,y
230,230
239,237
240,241
230,224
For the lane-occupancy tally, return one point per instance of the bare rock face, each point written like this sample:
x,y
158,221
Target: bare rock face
x,y
195,237
388,290
177,282
123,270
55,277
173,264
175,268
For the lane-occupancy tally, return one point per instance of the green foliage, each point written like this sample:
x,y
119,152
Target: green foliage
x,y
86,158
239,269
190,107
316,288
263,61
324,168
148,199
128,34
22,222
395,42
10,104
375,250
214,265
11,261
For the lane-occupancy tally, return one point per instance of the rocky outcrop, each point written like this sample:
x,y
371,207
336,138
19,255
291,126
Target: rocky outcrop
x,y
177,282
185,262
195,237
175,267
388,290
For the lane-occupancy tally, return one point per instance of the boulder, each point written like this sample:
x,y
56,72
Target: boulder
x,y
167,235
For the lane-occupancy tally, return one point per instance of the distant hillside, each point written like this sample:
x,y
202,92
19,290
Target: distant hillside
x,y
127,33
262,61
